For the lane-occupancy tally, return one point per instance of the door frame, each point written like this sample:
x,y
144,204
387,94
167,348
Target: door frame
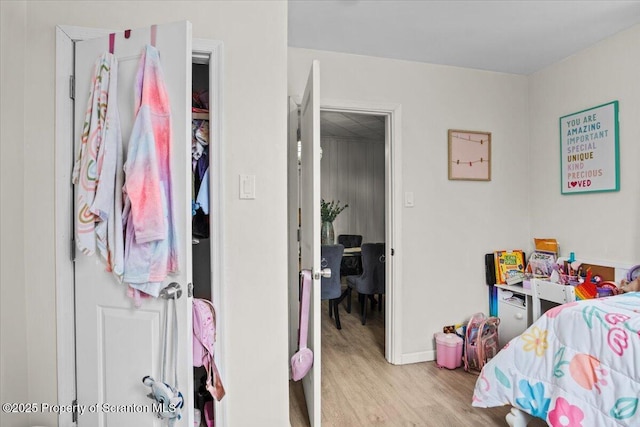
x,y
204,51
393,218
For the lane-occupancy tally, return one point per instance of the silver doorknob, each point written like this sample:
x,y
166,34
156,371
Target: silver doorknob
x,y
171,291
325,272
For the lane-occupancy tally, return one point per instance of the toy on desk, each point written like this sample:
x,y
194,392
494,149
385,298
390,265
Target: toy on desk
x,y
587,289
633,273
568,275
632,282
607,288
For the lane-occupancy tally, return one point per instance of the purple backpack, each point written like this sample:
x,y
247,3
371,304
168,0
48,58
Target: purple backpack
x,y
204,338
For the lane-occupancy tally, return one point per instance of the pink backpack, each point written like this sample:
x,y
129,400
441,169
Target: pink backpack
x,y
204,337
481,341
302,360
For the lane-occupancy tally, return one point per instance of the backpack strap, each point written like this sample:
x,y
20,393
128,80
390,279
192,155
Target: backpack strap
x,y
480,343
305,278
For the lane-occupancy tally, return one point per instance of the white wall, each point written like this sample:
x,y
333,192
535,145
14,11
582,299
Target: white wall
x,y
596,226
13,341
453,223
255,37
352,171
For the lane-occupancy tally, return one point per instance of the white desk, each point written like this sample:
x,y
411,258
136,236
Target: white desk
x,y
545,292
514,310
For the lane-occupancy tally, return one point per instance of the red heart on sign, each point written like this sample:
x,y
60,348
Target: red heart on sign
x,y
573,184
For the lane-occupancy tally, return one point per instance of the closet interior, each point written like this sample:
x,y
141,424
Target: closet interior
x,y
202,263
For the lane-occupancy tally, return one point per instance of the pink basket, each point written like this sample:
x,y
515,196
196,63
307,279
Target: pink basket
x,y
448,350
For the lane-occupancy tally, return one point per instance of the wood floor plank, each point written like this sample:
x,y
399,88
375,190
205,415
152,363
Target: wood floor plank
x,y
359,387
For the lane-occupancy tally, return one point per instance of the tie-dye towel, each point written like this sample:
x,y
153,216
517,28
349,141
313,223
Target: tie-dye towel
x,y
97,171
578,365
151,249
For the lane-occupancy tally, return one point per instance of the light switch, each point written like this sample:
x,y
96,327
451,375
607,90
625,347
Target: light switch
x,y
247,186
408,199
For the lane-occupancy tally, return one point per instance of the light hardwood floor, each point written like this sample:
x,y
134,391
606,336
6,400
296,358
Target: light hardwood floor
x,y
359,388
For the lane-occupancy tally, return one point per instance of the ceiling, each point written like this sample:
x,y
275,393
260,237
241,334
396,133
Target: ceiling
x,y
511,36
351,125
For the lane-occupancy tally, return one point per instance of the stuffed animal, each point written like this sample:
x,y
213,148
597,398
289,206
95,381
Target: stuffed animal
x,y
632,286
170,399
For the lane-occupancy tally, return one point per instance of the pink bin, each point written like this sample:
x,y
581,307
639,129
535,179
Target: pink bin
x,y
448,350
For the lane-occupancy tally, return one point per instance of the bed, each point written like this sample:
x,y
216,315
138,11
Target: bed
x,y
577,365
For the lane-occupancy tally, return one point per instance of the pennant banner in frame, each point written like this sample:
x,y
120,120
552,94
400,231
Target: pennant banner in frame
x,y
589,150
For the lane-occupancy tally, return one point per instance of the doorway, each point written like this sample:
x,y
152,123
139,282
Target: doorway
x,y
352,169
391,115
380,118
71,377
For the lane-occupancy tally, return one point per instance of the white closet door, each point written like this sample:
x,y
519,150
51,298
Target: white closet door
x,y
310,229
117,344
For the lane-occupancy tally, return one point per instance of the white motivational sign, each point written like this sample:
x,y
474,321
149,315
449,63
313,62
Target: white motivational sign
x,y
589,150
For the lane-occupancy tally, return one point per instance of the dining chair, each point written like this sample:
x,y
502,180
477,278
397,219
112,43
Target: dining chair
x,y
331,287
372,280
351,265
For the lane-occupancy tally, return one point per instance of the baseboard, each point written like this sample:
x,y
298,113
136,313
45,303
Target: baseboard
x,y
421,356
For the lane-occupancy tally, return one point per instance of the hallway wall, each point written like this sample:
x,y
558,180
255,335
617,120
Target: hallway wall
x,y
352,172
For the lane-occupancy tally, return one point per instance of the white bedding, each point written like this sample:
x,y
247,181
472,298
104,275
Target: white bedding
x,y
578,365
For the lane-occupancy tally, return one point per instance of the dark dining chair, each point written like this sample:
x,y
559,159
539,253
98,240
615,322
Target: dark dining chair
x,y
330,287
351,265
372,280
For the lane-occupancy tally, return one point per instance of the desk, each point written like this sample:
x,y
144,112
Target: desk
x,y
547,294
515,311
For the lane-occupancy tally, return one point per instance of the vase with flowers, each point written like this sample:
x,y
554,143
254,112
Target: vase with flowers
x,y
328,213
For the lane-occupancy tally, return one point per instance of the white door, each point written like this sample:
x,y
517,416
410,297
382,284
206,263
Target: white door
x,y
310,229
117,344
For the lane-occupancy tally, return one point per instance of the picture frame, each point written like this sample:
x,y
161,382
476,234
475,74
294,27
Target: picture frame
x,y
590,150
469,155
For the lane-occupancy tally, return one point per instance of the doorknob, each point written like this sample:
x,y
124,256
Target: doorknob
x,y
171,291
325,272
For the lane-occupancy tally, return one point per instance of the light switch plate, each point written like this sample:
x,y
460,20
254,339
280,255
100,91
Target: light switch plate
x,y
247,187
408,199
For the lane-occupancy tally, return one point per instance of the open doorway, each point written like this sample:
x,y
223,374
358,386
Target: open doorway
x,y
353,174
380,119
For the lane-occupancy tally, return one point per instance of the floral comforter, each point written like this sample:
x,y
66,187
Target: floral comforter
x,y
578,365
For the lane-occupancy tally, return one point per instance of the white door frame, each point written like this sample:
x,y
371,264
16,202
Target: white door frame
x,y
203,50
393,217
393,213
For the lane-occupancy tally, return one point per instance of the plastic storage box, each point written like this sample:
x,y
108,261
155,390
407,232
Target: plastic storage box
x,y
448,350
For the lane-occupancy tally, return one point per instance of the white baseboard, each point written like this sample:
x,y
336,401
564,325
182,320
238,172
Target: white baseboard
x,y
421,356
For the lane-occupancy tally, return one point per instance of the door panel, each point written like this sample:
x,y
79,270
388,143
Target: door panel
x,y
310,229
117,344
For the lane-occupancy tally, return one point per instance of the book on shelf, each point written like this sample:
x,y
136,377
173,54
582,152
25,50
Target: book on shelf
x,y
510,266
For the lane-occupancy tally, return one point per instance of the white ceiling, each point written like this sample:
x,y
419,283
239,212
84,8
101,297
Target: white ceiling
x,y
352,125
511,36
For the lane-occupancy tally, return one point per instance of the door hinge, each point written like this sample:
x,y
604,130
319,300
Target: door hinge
x,y
190,290
73,250
74,414
72,87
393,252
298,236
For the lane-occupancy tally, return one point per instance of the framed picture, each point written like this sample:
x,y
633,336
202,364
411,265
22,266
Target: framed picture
x,y
469,155
589,153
